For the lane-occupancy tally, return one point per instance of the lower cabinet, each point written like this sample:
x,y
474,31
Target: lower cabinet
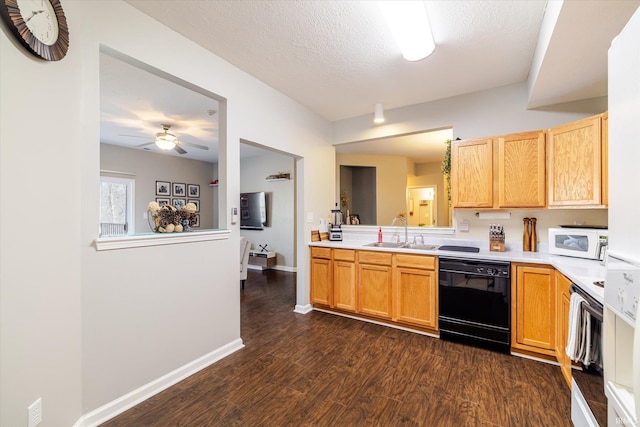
x,y
375,280
399,288
563,301
321,276
416,290
533,309
344,279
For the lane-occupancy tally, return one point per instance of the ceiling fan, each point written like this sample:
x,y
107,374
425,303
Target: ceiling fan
x,y
168,141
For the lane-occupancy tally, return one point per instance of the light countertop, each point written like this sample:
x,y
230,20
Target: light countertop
x,y
582,272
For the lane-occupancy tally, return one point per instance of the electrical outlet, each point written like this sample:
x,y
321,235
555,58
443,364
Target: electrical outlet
x,y
35,413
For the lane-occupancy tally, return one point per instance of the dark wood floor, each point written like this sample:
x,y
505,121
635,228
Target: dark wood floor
x,y
324,370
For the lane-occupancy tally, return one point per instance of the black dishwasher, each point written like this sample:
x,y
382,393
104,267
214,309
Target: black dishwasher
x,y
474,302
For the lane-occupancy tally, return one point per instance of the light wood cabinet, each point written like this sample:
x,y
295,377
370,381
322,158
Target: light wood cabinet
x,y
563,301
472,173
375,281
344,279
416,290
574,163
521,170
533,303
321,276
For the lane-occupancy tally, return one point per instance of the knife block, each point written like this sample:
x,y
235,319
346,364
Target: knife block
x,y
496,245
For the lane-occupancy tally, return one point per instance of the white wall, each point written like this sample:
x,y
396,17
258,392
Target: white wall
x,y
150,167
279,234
487,113
80,328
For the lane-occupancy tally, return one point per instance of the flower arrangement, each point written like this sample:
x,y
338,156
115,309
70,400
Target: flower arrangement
x,y
168,219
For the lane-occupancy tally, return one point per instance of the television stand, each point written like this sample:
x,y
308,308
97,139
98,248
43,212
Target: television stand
x,y
261,260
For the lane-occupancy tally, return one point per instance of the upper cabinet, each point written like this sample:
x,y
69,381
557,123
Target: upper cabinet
x,y
472,173
520,171
503,172
574,163
563,167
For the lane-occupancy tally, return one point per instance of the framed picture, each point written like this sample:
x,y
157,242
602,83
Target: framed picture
x,y
195,222
163,202
245,213
193,190
195,202
179,203
179,190
163,188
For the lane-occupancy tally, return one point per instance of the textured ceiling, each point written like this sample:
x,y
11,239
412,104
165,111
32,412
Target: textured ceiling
x,y
338,58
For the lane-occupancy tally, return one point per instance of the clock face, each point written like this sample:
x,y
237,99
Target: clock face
x,y
39,25
40,19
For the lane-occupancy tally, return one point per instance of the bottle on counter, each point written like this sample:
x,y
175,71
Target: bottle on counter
x,y
526,237
534,236
379,234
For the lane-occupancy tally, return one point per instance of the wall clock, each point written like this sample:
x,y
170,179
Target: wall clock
x,y
39,25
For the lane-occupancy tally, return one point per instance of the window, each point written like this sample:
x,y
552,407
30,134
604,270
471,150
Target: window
x,y
116,206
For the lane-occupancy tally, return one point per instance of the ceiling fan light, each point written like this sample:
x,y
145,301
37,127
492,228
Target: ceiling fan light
x,y
166,141
409,23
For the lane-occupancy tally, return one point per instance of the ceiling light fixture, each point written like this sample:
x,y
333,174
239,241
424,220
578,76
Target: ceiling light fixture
x,y
409,24
378,113
166,140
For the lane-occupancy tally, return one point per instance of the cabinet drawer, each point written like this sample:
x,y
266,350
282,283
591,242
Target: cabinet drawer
x,y
321,252
344,254
380,258
416,261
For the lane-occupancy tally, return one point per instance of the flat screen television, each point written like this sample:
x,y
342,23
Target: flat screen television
x,y
253,210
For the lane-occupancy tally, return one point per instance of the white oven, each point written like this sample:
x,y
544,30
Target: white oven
x,y
590,243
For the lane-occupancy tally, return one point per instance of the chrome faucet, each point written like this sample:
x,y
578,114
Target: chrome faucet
x,y
406,225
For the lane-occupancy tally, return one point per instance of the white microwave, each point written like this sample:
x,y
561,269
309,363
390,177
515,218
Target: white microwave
x,y
590,243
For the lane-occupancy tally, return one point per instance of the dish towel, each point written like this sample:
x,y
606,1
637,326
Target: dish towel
x,y
576,327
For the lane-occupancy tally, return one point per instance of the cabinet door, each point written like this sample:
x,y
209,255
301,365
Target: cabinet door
x,y
472,173
374,291
563,301
521,170
574,163
321,280
534,310
344,285
416,297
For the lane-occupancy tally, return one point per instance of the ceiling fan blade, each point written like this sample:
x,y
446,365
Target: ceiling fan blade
x,y
133,136
179,150
144,145
191,144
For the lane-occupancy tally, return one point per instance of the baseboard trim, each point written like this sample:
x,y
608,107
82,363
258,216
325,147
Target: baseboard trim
x,y
390,325
129,400
537,359
275,267
303,309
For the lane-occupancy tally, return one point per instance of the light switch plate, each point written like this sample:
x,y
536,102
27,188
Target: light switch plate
x,y
463,225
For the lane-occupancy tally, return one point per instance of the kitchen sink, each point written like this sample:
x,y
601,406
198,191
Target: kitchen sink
x,y
421,247
386,245
403,245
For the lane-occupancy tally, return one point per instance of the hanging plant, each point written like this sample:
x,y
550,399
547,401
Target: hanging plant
x,y
446,168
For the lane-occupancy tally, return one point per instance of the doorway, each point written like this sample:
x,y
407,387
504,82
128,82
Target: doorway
x,y
422,206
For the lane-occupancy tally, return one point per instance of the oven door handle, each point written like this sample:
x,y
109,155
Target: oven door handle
x,y
593,307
